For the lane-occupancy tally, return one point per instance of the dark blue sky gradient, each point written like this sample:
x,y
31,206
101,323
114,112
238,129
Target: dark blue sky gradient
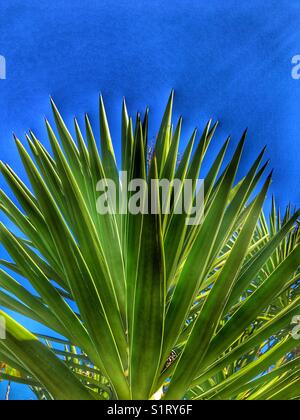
x,y
229,60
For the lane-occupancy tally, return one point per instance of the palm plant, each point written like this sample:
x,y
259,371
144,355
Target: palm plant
x,y
145,306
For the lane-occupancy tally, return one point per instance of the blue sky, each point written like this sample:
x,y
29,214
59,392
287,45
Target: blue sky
x,y
226,59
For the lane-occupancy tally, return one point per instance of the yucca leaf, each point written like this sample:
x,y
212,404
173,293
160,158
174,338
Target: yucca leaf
x,y
133,229
163,137
84,289
192,274
280,322
211,312
41,362
108,155
146,344
254,265
255,303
